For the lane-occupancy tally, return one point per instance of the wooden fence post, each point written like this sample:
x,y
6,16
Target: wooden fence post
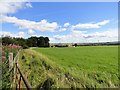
x,y
15,71
11,66
10,61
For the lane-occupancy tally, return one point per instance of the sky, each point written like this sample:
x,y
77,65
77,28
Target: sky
x,y
62,22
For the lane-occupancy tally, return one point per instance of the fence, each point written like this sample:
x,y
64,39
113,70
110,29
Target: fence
x,y
16,75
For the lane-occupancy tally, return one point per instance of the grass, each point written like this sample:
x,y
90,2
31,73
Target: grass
x,y
89,67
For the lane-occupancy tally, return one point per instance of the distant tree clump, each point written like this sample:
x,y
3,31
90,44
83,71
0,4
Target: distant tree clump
x,y
25,43
75,44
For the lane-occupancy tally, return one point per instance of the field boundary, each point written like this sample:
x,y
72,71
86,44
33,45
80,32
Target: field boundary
x,y
16,75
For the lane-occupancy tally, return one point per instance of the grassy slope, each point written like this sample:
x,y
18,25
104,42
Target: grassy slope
x,y
78,67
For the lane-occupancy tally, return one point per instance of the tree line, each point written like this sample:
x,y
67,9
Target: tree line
x,y
25,43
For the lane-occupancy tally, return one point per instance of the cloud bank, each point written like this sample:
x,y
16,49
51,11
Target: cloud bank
x,y
83,36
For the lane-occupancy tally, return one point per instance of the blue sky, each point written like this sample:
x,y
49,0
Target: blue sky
x,y
62,21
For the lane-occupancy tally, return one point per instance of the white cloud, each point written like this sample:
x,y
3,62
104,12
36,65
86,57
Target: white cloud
x,y
66,24
83,36
12,6
74,36
28,5
42,25
90,25
85,26
19,34
62,29
30,31
108,33
6,34
103,22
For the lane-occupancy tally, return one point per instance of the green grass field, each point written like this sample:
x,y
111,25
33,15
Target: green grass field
x,y
86,66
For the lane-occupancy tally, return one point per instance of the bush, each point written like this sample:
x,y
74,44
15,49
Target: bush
x,y
25,47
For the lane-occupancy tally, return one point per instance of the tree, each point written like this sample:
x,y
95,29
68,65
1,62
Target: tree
x,y
75,44
40,42
32,42
7,40
46,41
21,42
